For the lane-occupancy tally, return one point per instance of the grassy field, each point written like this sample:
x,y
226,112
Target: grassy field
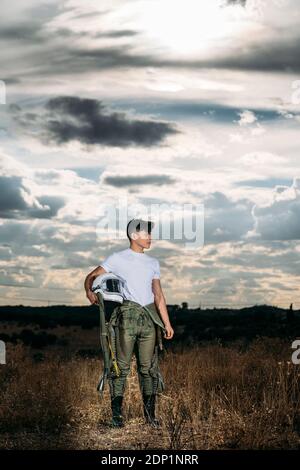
x,y
216,397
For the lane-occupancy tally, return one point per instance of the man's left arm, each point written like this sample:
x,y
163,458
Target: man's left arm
x,y
160,302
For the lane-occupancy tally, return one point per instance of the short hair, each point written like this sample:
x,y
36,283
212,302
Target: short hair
x,y
136,225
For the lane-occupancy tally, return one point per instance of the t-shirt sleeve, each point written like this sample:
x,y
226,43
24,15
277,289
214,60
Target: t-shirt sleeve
x,y
156,270
109,263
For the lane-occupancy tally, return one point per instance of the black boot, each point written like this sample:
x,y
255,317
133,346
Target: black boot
x,y
149,410
116,407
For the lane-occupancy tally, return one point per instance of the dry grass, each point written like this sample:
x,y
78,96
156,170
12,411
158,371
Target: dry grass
x,y
216,398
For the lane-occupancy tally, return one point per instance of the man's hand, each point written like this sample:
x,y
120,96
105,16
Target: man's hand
x,y
169,331
88,284
160,302
92,297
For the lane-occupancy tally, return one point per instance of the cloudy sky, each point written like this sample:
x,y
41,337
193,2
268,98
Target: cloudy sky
x,y
153,102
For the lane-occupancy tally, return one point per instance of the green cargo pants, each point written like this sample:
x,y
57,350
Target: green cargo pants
x,y
137,329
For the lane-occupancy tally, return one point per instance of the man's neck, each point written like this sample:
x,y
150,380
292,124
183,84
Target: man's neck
x,y
137,249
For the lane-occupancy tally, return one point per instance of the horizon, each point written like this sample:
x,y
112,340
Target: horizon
x,y
180,306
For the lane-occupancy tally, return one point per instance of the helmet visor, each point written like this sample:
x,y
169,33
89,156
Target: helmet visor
x,y
113,285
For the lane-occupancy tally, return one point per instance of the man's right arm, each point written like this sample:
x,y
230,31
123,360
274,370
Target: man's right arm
x,y
88,283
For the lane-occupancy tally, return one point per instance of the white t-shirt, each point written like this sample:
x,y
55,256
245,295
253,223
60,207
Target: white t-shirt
x,y
138,270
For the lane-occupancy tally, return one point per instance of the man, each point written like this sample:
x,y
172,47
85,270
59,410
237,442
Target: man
x,y
137,322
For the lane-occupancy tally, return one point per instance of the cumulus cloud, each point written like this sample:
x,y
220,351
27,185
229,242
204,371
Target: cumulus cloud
x,y
247,117
17,200
226,219
280,219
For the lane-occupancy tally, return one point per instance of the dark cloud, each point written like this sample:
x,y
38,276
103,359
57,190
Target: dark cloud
x,y
117,34
17,201
79,60
236,2
264,56
57,52
14,108
268,56
279,220
69,33
31,31
52,203
25,32
225,219
69,118
12,198
124,181
51,59
11,80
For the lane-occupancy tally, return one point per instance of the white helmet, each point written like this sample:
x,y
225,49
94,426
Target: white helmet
x,y
110,286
